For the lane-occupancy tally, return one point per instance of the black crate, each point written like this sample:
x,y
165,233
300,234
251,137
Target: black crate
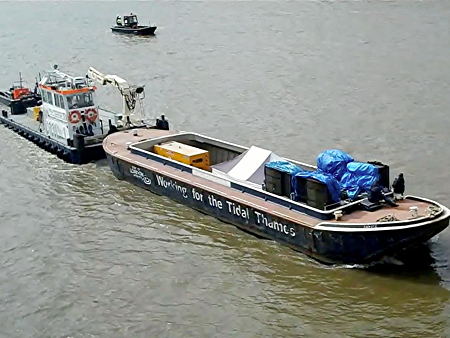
x,y
277,182
273,187
317,194
17,107
273,180
383,170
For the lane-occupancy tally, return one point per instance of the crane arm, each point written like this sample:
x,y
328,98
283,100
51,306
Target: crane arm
x,y
130,94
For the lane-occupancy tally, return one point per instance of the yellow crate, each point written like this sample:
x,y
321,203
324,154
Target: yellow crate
x,y
184,153
36,111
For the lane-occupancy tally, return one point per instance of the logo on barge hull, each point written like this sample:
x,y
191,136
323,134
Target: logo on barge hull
x,y
136,172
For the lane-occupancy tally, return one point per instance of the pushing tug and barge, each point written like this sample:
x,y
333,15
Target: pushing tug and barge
x,y
272,197
340,211
66,120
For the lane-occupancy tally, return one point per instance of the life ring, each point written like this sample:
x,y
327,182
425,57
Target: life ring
x,y
91,114
74,116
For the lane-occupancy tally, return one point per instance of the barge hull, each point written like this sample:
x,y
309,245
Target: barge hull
x,y
331,247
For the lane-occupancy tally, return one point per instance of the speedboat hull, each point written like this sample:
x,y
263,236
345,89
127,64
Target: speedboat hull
x,y
140,30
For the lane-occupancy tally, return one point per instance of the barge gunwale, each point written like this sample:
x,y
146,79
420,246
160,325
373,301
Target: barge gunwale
x,y
392,225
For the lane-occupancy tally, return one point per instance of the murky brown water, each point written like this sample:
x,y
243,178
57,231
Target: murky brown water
x,y
83,254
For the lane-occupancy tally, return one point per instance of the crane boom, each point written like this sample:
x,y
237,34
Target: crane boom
x,y
130,94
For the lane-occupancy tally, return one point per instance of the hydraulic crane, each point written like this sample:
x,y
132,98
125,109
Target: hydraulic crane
x,y
131,94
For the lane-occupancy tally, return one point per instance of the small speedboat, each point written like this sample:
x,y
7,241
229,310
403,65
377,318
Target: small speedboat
x,y
129,25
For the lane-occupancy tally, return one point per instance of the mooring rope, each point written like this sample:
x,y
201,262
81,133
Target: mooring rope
x,y
433,210
388,218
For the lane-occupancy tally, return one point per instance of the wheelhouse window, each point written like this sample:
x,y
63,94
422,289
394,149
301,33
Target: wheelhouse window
x,y
49,97
130,20
80,100
44,96
59,101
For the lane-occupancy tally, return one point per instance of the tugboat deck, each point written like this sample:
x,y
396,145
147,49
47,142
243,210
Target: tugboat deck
x,y
118,145
29,123
26,121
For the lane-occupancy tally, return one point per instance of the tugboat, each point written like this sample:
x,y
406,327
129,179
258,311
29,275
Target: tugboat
x,y
68,122
339,212
129,25
18,98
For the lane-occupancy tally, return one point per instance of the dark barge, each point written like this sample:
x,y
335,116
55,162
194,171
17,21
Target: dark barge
x,y
349,232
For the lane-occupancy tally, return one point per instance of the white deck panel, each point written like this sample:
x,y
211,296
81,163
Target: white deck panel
x,y
251,161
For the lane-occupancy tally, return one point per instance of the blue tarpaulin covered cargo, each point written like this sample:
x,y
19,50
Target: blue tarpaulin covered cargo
x,y
333,162
332,184
337,170
284,166
359,178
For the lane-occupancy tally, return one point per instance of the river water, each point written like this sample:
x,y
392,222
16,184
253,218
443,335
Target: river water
x,y
83,254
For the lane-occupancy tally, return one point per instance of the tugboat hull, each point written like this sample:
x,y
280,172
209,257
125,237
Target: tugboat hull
x,y
75,155
326,244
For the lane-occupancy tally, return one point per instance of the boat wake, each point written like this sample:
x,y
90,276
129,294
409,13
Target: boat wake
x,y
419,258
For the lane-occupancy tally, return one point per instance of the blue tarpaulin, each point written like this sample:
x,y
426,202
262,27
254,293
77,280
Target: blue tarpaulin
x,y
284,166
334,162
337,170
332,184
359,178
